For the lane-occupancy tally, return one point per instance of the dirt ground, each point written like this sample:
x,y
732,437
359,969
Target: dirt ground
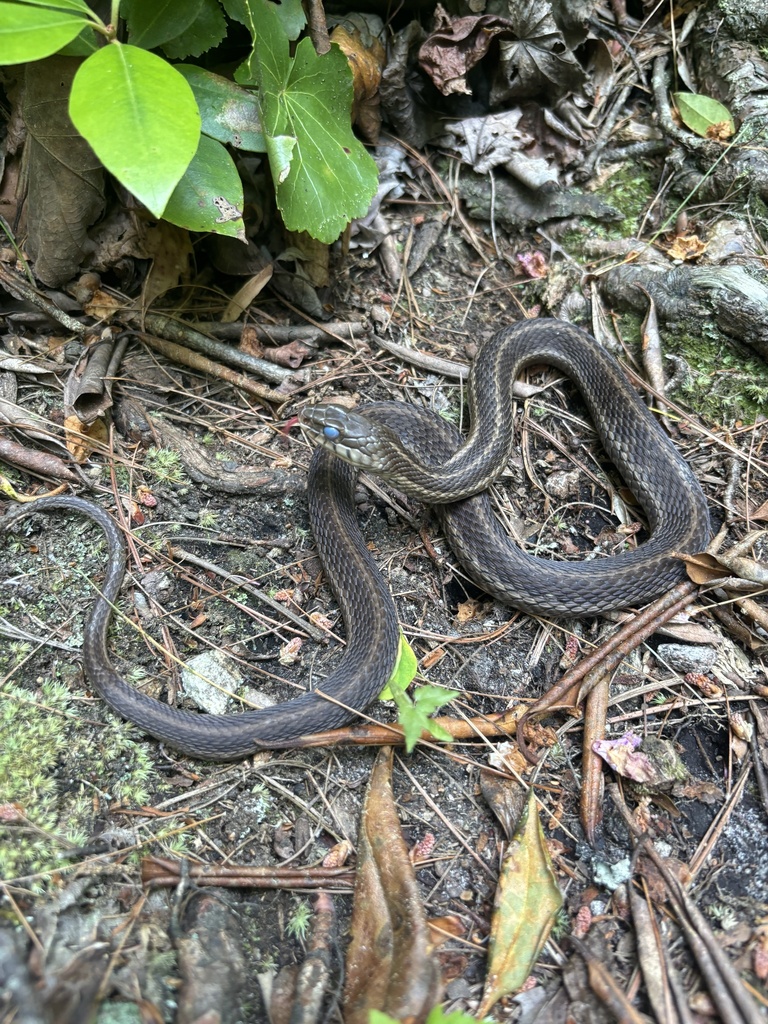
x,y
94,796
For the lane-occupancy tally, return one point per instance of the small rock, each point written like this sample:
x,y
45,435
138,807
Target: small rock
x,y
201,673
684,658
562,485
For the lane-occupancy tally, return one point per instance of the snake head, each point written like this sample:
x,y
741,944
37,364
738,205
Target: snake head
x,y
347,434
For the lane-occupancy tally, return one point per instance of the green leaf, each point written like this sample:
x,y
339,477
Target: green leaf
x,y
413,713
323,176
403,673
290,14
527,903
61,5
139,115
152,22
431,698
29,32
229,113
210,195
207,30
86,43
702,114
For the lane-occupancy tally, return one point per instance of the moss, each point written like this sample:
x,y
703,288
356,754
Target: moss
x,y
725,386
165,465
49,773
629,187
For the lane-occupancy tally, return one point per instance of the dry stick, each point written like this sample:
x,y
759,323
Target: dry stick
x,y
167,871
176,330
284,333
21,289
446,367
724,984
608,656
318,27
374,734
596,712
185,357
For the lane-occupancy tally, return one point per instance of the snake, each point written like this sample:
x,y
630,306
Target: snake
x,y
422,454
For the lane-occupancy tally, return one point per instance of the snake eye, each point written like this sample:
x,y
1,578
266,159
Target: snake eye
x,y
332,433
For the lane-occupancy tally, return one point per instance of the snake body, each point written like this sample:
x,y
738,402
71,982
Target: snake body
x,y
427,455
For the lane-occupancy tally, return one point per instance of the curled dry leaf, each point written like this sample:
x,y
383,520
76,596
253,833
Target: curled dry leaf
x,y
367,57
456,45
389,966
82,440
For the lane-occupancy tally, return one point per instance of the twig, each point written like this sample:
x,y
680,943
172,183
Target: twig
x,y
176,330
609,655
592,765
165,871
284,333
20,289
185,357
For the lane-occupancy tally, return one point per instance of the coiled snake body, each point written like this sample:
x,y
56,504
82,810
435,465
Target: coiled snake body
x,y
422,454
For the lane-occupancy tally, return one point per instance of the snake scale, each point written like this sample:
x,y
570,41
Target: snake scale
x,y
423,455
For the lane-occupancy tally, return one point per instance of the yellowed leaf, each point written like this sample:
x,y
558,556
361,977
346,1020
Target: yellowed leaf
x,y
527,903
239,302
80,439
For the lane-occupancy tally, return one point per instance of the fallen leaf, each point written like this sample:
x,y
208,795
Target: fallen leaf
x,y
456,45
82,441
389,964
527,903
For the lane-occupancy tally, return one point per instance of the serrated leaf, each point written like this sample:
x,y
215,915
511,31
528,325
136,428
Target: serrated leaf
x,y
29,32
210,195
207,30
527,902
229,113
290,13
701,114
326,178
61,5
153,22
332,179
140,117
431,698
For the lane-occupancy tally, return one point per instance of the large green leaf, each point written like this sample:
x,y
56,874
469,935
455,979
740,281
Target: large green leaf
x,y
323,176
60,5
210,195
152,22
29,32
290,14
229,113
140,116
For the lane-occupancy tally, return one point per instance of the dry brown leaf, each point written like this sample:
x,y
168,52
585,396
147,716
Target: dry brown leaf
x,y
389,962
686,247
244,296
82,441
367,63
456,45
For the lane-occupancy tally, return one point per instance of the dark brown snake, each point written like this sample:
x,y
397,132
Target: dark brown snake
x,y
424,455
